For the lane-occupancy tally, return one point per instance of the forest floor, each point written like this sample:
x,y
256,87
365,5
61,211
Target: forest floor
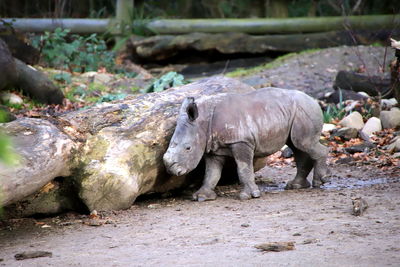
x,y
175,231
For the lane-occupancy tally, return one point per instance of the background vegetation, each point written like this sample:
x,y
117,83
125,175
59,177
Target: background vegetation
x,y
198,8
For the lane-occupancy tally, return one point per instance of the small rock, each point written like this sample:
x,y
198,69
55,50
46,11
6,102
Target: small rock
x,y
94,222
328,127
394,145
396,155
32,254
245,225
276,246
310,241
103,78
296,234
354,120
371,126
154,206
11,98
364,147
352,105
345,160
390,119
89,74
287,153
346,133
359,206
387,104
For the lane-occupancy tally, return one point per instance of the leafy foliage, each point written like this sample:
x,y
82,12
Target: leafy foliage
x,y
6,154
74,52
334,112
171,79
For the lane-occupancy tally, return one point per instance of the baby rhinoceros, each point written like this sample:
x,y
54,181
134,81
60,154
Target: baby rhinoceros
x,y
246,126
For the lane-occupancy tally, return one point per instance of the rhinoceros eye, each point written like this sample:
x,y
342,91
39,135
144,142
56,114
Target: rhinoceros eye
x,y
188,148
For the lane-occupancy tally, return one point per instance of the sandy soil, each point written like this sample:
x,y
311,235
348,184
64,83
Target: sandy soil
x,y
176,231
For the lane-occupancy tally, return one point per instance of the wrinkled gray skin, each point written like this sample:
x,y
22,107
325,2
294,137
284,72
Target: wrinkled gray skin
x,y
246,126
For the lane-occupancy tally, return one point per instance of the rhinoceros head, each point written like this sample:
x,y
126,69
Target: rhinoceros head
x,y
188,142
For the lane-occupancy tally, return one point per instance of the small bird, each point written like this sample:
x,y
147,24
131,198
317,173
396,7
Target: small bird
x,y
395,44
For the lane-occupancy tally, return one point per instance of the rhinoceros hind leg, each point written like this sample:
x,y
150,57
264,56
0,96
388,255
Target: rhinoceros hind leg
x,y
243,155
304,165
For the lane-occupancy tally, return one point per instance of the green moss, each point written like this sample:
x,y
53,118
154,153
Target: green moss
x,y
98,150
240,72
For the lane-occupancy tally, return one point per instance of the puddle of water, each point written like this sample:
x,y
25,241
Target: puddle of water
x,y
335,183
351,183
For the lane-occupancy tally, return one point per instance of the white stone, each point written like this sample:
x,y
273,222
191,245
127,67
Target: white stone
x,y
328,127
371,126
363,94
353,120
391,118
89,74
103,78
11,98
388,103
395,145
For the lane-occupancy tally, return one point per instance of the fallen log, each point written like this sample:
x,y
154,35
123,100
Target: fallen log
x,y
161,47
274,25
111,152
372,85
43,151
15,74
181,26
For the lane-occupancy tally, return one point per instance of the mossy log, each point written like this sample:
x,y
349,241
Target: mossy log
x,y
274,25
112,152
162,47
183,26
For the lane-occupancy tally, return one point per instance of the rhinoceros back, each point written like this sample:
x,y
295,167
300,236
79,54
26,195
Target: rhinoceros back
x,y
262,118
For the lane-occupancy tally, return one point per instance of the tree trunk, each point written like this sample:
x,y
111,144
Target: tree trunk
x,y
372,85
37,85
253,26
112,151
15,74
278,25
162,47
44,153
277,8
395,76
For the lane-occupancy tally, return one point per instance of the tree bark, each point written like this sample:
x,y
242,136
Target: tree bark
x,y
15,74
253,26
162,47
395,75
112,152
372,85
44,153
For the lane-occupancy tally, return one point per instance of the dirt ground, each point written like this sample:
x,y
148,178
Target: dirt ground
x,y
176,231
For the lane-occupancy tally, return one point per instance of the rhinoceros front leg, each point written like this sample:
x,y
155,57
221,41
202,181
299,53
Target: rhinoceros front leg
x,y
214,166
243,154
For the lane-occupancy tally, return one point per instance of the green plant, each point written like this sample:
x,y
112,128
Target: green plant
x,y
63,77
6,154
171,79
74,52
333,112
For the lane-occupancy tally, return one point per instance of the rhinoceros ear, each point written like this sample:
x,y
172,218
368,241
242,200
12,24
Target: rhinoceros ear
x,y
191,109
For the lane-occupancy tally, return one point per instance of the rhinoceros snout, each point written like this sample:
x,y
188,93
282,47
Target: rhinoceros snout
x,y
172,166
